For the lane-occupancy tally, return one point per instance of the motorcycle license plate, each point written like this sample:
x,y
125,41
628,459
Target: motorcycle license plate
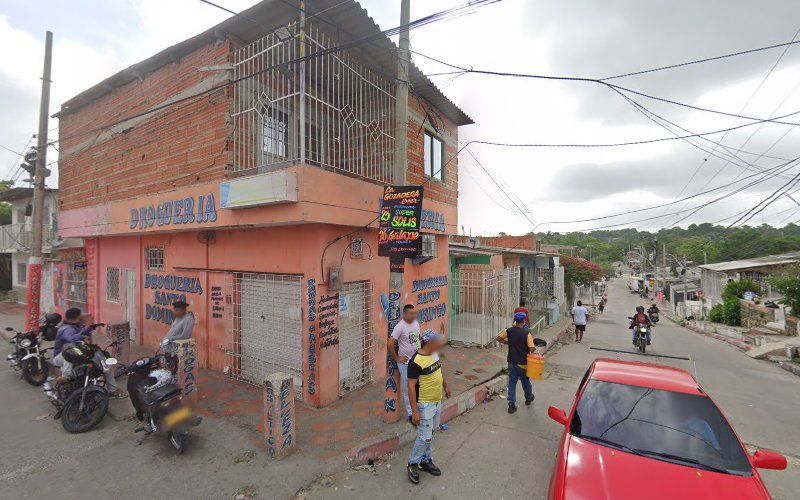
x,y
177,416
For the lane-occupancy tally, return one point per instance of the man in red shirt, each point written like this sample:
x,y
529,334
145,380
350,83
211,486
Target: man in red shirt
x,y
524,309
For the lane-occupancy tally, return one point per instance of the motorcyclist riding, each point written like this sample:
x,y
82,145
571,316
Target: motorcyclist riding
x,y
653,312
640,318
72,331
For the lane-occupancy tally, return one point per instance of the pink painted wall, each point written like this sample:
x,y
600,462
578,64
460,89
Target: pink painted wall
x,y
121,252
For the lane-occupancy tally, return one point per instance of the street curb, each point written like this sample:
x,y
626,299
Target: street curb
x,y
790,367
381,445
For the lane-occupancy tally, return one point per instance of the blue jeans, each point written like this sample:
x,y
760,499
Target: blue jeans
x,y
516,373
404,382
429,418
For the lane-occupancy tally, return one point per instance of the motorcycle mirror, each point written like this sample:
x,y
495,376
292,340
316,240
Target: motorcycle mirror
x,y
9,329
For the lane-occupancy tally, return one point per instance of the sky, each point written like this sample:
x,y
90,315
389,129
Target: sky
x,y
530,188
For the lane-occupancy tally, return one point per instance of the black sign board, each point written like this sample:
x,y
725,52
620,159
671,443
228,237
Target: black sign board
x,y
400,217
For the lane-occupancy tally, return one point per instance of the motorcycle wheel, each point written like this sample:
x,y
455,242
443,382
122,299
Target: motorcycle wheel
x,y
33,374
178,440
95,408
642,344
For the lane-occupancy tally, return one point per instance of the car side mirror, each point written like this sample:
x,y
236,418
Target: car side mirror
x,y
9,329
559,415
763,459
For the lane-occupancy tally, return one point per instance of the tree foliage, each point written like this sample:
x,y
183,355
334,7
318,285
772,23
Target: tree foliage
x,y
788,284
580,271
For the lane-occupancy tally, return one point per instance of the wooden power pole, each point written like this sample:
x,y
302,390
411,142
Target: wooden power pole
x,y
41,172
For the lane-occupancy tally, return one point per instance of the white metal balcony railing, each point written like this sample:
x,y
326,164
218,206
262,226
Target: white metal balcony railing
x,y
326,110
19,237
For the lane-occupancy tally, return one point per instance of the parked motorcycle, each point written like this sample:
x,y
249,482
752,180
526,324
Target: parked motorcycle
x,y
28,356
82,399
157,399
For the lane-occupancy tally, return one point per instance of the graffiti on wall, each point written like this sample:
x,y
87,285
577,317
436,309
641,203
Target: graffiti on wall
x,y
166,290
391,309
311,289
217,302
175,212
430,297
187,359
432,220
270,418
286,402
328,320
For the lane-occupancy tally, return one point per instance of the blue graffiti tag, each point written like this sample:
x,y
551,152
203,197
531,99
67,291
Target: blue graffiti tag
x,y
389,405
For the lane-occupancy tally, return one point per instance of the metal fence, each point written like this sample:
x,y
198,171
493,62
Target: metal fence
x,y
482,303
356,344
545,284
266,330
326,109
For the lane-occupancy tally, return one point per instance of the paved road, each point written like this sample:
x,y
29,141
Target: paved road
x,y
490,454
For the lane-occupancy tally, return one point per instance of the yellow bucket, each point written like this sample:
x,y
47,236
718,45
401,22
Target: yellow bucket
x,y
535,366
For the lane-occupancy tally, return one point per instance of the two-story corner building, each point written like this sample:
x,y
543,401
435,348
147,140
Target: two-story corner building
x,y
249,183
61,276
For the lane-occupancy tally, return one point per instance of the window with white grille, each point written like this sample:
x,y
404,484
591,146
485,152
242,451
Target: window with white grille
x,y
112,284
356,344
154,258
274,136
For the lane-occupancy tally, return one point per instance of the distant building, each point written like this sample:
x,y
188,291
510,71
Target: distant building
x,y
715,277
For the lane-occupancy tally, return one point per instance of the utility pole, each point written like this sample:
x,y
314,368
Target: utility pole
x,y
41,172
663,267
394,406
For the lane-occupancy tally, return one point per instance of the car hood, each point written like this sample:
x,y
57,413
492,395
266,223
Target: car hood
x,y
597,472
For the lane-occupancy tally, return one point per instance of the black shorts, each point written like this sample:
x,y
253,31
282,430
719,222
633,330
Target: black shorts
x,y
580,327
601,308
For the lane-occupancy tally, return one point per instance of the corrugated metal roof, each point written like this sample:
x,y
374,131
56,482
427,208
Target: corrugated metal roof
x,y
768,260
346,20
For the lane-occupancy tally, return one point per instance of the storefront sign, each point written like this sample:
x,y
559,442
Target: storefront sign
x,y
430,298
398,234
432,220
166,291
176,212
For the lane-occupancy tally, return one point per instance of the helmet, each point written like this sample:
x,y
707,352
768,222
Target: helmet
x,y
640,309
77,354
52,319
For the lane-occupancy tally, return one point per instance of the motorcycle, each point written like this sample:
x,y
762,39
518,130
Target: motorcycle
x,y
82,399
28,356
158,401
641,336
653,316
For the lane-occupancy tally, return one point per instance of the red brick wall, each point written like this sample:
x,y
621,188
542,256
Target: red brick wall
x,y
445,191
180,145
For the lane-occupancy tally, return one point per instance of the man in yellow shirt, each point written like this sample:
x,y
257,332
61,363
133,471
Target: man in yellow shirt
x,y
520,342
425,385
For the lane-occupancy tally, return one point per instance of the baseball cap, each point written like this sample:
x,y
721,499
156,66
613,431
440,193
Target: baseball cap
x,y
520,316
431,335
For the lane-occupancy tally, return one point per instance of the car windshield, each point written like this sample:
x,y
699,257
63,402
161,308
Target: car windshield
x,y
676,427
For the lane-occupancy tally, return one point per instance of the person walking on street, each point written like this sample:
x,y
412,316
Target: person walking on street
x,y
426,383
519,340
579,316
524,309
403,343
602,305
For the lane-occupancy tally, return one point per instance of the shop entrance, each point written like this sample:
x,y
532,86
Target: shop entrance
x,y
268,320
356,358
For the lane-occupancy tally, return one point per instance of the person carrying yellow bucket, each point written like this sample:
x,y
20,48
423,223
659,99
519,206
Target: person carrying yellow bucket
x,y
520,346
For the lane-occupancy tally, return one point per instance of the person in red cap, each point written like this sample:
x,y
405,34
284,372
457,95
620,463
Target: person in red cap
x,y
519,340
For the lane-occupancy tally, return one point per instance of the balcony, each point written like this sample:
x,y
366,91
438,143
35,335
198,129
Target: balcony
x,y
19,238
327,110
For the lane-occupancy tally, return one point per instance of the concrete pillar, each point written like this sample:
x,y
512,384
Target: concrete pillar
x,y
393,404
187,366
120,332
280,426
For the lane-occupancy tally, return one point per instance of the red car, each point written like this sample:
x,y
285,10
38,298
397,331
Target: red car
x,y
639,430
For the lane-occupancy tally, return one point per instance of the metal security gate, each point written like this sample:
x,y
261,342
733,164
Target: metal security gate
x,y
267,327
482,303
356,359
130,308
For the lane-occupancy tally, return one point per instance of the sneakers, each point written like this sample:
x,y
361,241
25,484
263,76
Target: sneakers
x,y
529,401
430,468
512,408
413,473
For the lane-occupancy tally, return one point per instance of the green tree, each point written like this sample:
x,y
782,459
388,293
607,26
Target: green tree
x,y
5,208
697,248
788,284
